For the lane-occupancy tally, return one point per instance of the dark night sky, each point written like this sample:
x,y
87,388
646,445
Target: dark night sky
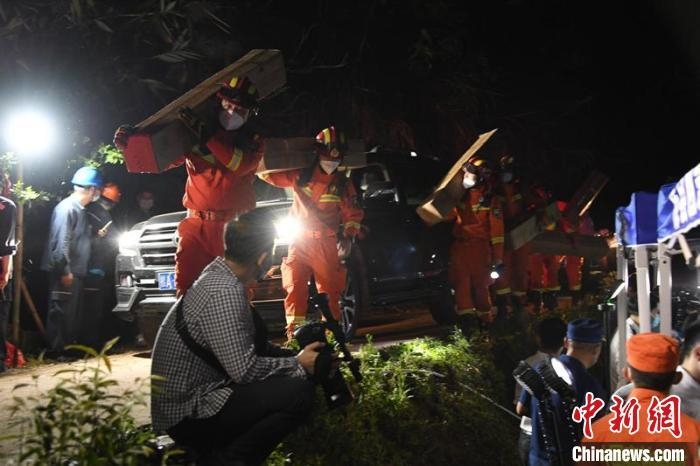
x,y
629,84
576,86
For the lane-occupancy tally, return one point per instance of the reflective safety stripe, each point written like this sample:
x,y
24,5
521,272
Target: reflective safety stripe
x,y
352,224
209,158
496,239
295,319
307,191
478,208
235,161
329,198
462,312
503,291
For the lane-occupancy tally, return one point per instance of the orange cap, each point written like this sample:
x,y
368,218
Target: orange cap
x,y
652,352
111,191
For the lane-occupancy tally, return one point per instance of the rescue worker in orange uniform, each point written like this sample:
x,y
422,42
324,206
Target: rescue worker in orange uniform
x,y
574,264
220,175
652,359
511,285
544,268
324,200
477,245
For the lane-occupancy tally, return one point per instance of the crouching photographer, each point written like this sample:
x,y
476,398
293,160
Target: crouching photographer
x,y
221,388
326,373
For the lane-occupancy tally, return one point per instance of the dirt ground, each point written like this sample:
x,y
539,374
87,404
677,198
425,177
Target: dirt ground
x,y
126,368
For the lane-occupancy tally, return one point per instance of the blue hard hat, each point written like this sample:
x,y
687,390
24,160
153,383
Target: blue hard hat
x,y
87,176
585,330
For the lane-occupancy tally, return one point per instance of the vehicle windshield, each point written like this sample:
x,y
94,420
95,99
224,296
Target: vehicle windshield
x,y
265,192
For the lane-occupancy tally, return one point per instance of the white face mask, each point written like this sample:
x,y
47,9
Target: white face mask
x,y
231,121
468,182
146,204
329,166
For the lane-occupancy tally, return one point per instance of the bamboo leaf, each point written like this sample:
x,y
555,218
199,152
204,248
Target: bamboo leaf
x,y
178,56
84,349
102,25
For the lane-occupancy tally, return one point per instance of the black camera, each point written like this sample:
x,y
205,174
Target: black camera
x,y
335,388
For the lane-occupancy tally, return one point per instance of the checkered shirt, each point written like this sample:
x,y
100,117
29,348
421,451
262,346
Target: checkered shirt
x,y
218,317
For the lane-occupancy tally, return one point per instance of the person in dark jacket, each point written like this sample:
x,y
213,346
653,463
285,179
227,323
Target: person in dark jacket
x,y
99,281
66,259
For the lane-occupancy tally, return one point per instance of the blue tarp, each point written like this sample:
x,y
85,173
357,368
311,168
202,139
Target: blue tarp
x,y
678,205
635,224
653,217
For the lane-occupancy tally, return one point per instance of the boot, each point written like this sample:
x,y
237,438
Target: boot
x,y
502,308
289,331
467,323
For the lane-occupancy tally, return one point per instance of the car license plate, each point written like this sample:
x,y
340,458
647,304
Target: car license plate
x,y
166,280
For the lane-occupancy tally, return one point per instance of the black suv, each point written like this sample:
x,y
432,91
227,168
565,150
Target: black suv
x,y
399,260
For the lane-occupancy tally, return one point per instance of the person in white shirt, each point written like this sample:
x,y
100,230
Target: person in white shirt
x,y
688,389
631,328
550,335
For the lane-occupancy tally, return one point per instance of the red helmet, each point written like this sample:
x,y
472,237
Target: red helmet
x,y
241,91
111,191
332,140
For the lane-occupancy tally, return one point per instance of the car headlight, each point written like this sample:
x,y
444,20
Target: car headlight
x,y
287,229
128,243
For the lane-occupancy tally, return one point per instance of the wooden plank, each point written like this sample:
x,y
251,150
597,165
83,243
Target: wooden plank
x,y
161,139
530,228
584,196
282,154
265,67
448,193
559,243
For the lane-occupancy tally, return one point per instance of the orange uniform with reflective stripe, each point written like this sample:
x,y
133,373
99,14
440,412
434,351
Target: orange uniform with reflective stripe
x,y
322,205
219,187
478,220
514,278
478,233
222,180
543,268
574,264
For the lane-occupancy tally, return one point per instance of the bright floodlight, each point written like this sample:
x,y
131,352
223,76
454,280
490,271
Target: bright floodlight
x,y
29,132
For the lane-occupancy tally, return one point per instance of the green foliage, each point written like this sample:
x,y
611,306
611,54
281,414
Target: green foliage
x,y
81,420
105,154
21,193
416,405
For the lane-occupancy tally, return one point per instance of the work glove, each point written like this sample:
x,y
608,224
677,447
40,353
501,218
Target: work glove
x,y
122,135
